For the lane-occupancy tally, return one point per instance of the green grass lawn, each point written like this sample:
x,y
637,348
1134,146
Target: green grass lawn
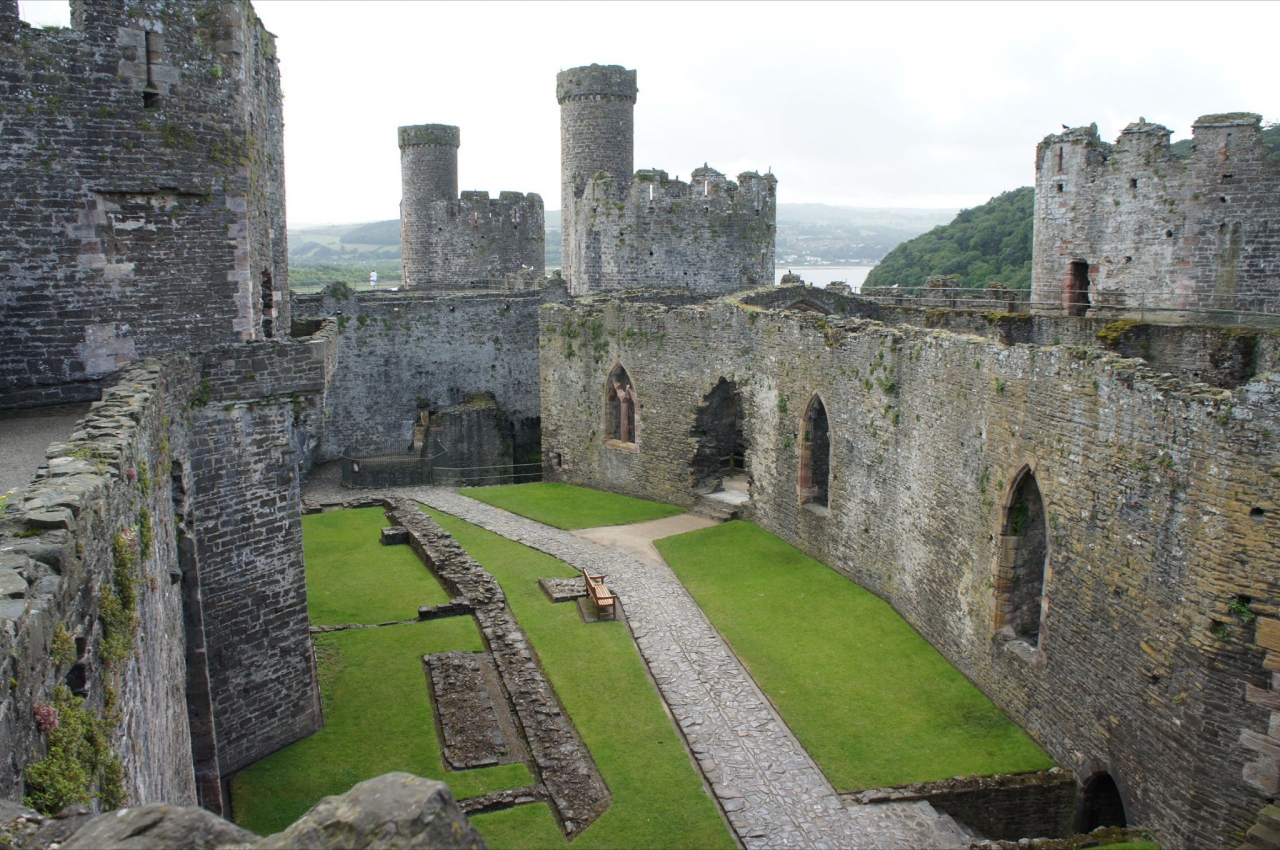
x,y
567,506
353,578
870,699
658,800
377,719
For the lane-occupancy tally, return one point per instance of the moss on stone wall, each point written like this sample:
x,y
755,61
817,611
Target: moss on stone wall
x,y
80,765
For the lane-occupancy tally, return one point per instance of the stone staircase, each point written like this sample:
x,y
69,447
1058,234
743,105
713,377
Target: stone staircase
x,y
716,509
1265,834
729,501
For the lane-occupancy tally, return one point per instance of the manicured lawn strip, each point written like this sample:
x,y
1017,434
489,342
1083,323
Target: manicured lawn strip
x,y
353,578
566,506
658,800
870,699
521,828
377,719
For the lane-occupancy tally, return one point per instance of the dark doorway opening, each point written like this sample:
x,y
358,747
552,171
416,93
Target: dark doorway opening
x,y
1078,295
722,443
815,455
1024,555
1101,804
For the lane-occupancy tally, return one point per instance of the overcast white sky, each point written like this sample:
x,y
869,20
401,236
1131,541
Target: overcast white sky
x,y
867,104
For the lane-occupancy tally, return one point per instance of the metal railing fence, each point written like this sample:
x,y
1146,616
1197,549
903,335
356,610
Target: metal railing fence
x,y
384,471
1158,308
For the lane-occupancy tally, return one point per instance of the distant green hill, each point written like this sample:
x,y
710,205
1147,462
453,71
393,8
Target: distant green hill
x,y
991,242
374,233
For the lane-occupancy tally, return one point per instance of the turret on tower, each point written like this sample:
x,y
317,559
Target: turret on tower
x,y
597,125
472,242
626,231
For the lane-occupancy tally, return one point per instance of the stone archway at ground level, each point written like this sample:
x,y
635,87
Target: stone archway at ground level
x,y
815,455
719,429
1100,803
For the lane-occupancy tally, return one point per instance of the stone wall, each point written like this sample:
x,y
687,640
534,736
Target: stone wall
x,y
143,190
56,540
198,461
1159,495
402,353
1224,357
1005,807
626,231
473,242
1156,231
559,758
710,235
256,418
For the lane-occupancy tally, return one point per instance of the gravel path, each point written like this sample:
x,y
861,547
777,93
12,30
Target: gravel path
x,y
771,790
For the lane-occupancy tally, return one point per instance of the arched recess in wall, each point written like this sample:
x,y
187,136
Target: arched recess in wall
x,y
1100,803
815,455
719,429
1022,561
619,407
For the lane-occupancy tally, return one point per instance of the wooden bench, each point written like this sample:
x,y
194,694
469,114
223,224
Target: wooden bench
x,y
603,597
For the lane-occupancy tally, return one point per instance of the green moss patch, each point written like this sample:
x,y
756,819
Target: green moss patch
x,y
658,800
353,578
568,507
870,699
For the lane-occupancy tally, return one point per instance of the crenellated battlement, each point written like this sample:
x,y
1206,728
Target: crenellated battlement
x,y
626,230
451,240
707,235
1127,228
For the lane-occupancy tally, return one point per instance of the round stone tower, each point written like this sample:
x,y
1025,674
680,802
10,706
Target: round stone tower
x,y
597,133
428,175
429,163
597,123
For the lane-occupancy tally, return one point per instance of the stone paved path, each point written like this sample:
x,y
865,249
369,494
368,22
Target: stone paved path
x,y
772,791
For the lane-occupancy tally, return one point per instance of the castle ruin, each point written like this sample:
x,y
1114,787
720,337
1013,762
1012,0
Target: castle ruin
x,y
1080,517
640,230
1131,230
455,243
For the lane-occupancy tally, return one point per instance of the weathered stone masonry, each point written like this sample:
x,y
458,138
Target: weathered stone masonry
x,y
61,565
625,231
402,353
1159,496
256,428
472,242
1150,229
213,450
143,191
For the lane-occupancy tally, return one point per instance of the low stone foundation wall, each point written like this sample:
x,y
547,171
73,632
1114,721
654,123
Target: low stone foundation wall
x,y
1003,807
561,760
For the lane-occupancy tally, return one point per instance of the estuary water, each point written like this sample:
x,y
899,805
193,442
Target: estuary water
x,y
822,275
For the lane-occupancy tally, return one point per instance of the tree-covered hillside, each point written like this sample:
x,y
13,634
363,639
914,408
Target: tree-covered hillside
x,y
988,243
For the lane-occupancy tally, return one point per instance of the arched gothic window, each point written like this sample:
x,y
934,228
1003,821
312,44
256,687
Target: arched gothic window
x,y
1022,561
815,455
620,407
